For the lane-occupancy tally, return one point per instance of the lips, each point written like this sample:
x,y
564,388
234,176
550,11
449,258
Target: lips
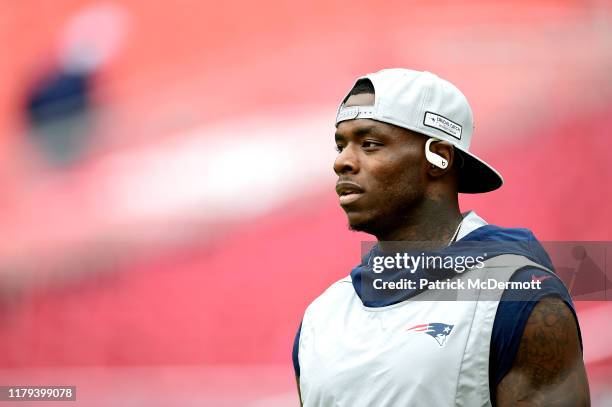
x,y
348,191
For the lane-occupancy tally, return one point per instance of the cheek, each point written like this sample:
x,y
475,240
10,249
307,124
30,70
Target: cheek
x,y
403,189
399,178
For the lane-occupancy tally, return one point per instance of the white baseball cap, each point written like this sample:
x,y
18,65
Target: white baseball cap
x,y
426,104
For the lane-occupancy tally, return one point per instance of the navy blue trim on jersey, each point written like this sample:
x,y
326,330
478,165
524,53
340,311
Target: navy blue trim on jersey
x,y
511,318
296,348
490,239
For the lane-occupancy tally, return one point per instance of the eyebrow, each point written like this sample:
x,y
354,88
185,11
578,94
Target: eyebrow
x,y
360,132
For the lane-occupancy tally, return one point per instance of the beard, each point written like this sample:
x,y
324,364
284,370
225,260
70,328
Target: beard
x,y
386,221
390,207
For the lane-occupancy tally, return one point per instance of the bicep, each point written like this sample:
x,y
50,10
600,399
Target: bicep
x,y
548,369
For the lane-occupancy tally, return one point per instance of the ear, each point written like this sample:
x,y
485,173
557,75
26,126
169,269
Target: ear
x,y
445,150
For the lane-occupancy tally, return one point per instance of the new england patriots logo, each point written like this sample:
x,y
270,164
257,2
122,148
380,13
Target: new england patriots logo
x,y
436,330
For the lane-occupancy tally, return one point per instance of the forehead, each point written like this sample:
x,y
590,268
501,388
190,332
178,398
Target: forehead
x,y
360,127
355,129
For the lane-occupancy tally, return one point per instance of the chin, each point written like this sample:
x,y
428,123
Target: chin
x,y
361,224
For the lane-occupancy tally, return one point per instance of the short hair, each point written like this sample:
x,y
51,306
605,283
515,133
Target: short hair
x,y
361,86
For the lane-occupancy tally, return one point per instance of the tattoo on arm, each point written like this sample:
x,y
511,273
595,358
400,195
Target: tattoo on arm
x,y
548,369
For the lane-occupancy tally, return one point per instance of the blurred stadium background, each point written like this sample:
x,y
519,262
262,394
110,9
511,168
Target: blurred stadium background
x,y
167,196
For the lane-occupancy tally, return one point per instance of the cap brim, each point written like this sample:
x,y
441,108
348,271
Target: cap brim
x,y
476,176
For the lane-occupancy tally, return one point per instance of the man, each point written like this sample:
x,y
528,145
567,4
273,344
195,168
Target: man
x,y
403,142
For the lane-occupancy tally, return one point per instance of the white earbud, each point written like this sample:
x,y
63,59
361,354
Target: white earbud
x,y
434,158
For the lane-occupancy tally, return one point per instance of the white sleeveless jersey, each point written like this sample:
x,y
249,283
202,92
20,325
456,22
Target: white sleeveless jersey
x,y
419,352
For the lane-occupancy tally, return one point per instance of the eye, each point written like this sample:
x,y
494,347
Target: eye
x,y
339,148
369,144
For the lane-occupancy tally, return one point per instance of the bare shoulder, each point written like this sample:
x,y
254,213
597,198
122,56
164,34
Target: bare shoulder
x,y
548,369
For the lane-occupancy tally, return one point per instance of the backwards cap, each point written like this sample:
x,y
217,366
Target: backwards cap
x,y
426,104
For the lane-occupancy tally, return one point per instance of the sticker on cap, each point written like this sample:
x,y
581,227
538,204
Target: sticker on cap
x,y
443,124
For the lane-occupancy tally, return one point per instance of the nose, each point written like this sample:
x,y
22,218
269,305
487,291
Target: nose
x,y
346,162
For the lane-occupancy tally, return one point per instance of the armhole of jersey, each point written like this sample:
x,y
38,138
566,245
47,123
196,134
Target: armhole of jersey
x,y
296,348
520,317
296,341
